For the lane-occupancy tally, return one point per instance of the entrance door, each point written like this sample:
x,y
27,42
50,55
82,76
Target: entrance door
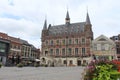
x,y
79,62
3,60
46,53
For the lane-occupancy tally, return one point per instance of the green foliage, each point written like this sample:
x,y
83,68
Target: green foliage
x,y
104,72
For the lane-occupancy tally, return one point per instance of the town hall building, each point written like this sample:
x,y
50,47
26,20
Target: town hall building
x,y
66,44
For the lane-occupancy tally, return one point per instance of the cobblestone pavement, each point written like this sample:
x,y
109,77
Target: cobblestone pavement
x,y
41,73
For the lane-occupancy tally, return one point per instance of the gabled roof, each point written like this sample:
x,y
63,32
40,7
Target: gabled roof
x,y
71,28
102,38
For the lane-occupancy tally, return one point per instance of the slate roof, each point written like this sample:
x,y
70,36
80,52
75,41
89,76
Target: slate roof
x,y
64,29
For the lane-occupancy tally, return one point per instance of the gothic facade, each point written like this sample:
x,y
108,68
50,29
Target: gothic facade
x,y
66,44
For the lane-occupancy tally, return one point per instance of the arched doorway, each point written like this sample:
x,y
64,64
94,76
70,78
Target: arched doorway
x,y
79,62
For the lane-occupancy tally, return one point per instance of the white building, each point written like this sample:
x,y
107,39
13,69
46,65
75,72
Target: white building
x,y
104,48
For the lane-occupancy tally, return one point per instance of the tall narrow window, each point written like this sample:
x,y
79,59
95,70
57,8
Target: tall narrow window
x,y
57,52
83,51
76,51
99,46
103,47
95,47
46,42
83,40
70,41
76,41
63,42
51,51
69,51
51,43
57,42
2,47
63,51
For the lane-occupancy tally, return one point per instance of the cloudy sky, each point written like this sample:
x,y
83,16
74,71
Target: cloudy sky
x,y
25,18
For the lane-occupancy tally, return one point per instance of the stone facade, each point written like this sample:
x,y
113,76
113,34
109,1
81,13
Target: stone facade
x,y
103,48
68,44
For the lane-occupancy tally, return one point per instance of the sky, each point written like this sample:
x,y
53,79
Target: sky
x,y
25,18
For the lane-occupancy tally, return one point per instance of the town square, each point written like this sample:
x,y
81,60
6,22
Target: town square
x,y
59,40
41,73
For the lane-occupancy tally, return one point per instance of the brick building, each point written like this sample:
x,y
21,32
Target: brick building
x,y
66,44
16,47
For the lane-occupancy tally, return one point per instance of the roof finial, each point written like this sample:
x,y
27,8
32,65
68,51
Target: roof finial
x,y
45,16
67,19
87,9
67,8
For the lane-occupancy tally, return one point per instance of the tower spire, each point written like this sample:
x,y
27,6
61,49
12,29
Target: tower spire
x,y
88,19
67,15
67,19
45,25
